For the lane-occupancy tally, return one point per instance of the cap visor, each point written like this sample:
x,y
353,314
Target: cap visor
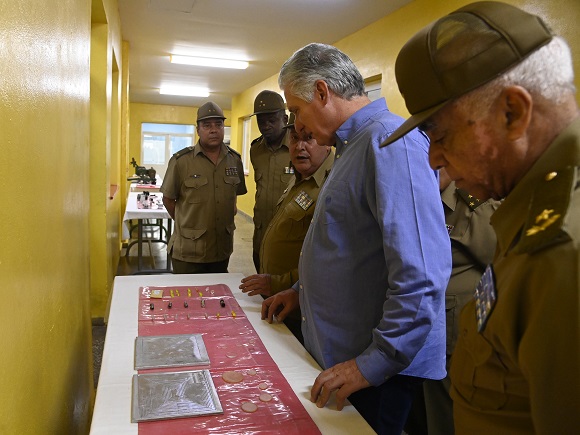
x,y
411,123
266,111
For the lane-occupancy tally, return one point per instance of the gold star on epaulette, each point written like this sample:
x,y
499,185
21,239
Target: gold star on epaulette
x,y
471,201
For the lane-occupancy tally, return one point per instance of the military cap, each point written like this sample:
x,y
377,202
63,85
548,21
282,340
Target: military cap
x,y
209,110
434,67
291,119
268,102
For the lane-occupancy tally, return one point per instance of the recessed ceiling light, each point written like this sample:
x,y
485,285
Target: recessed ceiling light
x,y
208,61
186,91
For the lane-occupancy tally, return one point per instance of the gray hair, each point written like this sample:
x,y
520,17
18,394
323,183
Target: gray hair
x,y
547,73
321,62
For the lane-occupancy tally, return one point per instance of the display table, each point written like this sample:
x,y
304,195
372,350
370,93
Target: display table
x,y
112,412
147,219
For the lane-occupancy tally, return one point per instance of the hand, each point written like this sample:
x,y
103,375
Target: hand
x,y
345,378
257,285
280,305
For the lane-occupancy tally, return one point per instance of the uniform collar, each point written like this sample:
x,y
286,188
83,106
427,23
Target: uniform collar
x,y
284,144
508,220
321,173
448,196
198,149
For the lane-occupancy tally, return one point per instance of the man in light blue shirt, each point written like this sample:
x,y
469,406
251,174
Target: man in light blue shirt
x,y
376,260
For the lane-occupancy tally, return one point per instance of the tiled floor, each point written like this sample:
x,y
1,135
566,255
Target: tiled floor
x,y
240,262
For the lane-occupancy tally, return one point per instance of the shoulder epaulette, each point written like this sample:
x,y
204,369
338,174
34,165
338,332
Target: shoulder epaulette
x,y
259,138
183,152
471,201
234,151
548,207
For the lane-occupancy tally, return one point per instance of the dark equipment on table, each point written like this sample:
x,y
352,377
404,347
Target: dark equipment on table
x,y
142,174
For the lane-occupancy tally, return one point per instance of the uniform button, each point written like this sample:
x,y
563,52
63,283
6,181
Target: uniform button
x,y
301,287
338,156
550,176
303,319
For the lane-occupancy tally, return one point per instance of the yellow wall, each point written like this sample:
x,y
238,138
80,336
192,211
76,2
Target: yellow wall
x,y
60,154
375,48
106,87
45,340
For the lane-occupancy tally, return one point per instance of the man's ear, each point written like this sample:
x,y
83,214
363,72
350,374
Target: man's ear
x,y
516,105
321,91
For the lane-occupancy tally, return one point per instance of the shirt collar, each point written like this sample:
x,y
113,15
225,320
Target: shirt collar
x,y
358,120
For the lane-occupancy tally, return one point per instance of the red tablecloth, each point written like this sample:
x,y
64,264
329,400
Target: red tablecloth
x,y
232,344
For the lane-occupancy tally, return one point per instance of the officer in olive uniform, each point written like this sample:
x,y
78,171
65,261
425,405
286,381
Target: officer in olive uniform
x,y
472,247
493,88
271,162
200,190
282,241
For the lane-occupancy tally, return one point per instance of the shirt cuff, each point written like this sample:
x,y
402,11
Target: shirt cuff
x,y
374,367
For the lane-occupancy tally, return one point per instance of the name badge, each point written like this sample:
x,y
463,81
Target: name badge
x,y
485,298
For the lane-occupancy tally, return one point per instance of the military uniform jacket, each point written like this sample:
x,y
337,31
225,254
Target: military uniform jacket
x,y
521,373
472,247
206,201
272,175
282,242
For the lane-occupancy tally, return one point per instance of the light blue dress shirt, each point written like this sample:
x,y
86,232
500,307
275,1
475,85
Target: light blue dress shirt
x,y
376,260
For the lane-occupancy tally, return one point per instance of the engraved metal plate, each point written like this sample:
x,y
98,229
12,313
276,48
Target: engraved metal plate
x,y
162,396
170,351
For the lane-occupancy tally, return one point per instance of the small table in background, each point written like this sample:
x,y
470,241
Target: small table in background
x,y
148,219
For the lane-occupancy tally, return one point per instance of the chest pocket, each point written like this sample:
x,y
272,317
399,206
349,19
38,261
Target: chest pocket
x,y
296,220
285,178
335,202
477,371
196,189
231,185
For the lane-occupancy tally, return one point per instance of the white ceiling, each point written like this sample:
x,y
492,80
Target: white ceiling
x,y
263,32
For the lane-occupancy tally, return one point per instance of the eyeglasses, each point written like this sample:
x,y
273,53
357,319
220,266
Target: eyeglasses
x,y
208,125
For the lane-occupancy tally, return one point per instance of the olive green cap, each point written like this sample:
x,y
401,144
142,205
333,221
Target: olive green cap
x,y
210,110
291,119
268,102
461,52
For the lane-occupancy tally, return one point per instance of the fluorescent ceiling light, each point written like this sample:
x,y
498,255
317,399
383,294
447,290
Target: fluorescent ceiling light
x,y
208,61
183,90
